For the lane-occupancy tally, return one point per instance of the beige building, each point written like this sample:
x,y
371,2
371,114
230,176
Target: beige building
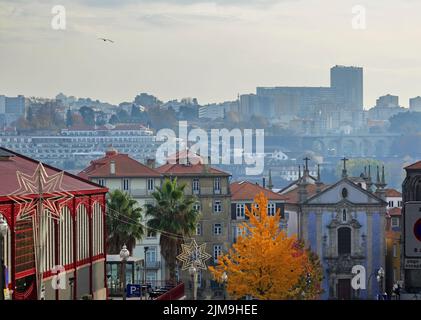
x,y
211,188
119,171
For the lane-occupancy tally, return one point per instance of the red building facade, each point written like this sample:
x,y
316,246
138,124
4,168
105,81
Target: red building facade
x,y
54,246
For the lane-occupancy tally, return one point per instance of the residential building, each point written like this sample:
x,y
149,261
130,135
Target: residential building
x,y
242,197
118,171
211,188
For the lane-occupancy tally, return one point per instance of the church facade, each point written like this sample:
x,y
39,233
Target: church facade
x,y
344,224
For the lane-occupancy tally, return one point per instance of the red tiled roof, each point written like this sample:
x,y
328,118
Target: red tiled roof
x,y
393,193
124,167
293,196
416,166
179,169
188,163
17,162
395,211
246,190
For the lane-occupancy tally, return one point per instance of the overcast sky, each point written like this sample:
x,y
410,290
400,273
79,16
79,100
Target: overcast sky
x,y
211,50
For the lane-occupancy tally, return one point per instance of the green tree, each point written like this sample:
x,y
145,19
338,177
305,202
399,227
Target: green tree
x,y
88,115
174,216
123,222
69,118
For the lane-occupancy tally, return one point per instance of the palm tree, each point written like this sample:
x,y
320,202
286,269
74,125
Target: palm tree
x,y
175,217
123,222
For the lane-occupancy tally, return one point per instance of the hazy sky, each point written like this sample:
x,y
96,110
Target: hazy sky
x,y
211,50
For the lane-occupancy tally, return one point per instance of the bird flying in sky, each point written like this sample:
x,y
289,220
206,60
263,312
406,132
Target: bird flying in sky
x,y
105,40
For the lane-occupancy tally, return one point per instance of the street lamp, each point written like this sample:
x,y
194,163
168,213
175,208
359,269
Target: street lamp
x,y
145,265
224,281
124,256
193,274
380,277
3,231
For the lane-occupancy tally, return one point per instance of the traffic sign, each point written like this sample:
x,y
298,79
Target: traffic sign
x,y
412,217
413,264
133,290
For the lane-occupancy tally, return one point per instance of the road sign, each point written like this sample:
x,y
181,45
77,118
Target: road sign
x,y
413,264
412,218
133,290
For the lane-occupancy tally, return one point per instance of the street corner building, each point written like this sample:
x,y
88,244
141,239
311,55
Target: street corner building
x,y
53,247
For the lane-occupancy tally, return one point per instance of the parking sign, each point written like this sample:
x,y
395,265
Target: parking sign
x,y
133,290
412,219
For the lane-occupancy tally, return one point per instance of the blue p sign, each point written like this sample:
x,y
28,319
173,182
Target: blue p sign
x,y
133,290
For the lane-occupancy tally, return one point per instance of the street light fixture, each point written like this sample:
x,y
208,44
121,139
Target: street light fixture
x,y
224,281
3,231
380,277
193,274
145,265
124,256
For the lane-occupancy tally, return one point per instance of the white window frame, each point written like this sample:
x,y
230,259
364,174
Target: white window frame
x,y
198,229
217,229
217,251
126,184
240,210
217,206
150,184
217,185
196,186
271,209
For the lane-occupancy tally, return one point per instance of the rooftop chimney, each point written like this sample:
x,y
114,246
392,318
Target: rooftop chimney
x,y
111,151
151,163
112,167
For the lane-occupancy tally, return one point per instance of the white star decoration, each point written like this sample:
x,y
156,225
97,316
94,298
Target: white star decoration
x,y
40,187
193,255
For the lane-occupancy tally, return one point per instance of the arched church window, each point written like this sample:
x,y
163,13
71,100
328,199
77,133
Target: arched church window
x,y
344,241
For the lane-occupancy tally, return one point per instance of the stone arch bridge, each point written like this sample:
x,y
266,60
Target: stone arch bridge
x,y
364,145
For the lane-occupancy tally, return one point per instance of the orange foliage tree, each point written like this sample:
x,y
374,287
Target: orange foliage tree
x,y
264,263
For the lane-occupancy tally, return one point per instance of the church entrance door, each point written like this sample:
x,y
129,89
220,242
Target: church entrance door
x,y
344,289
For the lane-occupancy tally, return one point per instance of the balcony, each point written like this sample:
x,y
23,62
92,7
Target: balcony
x,y
151,265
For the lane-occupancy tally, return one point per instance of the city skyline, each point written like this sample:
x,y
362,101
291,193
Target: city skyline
x,y
262,45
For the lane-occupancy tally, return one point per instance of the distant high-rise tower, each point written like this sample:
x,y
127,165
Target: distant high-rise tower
x,y
348,85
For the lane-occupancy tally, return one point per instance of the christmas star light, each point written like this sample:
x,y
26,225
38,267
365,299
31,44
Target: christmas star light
x,y
193,255
40,188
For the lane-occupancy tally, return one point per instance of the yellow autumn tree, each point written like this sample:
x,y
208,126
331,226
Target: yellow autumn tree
x,y
264,263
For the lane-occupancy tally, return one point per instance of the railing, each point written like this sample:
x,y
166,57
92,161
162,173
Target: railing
x,y
174,294
152,265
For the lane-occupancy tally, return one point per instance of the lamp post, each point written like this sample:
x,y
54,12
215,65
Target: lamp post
x,y
224,281
380,277
3,230
193,274
145,265
124,256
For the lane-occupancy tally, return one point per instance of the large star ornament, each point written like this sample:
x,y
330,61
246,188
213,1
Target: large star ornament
x,y
40,188
193,255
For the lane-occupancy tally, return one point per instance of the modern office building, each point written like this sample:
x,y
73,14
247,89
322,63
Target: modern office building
x,y
347,82
415,104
